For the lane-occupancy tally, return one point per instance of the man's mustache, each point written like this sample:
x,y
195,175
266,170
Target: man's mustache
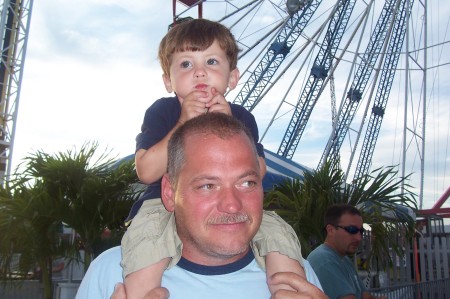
x,y
229,219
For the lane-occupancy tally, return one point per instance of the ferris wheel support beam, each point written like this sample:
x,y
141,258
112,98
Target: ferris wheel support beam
x,y
275,55
392,55
419,138
319,72
351,102
14,28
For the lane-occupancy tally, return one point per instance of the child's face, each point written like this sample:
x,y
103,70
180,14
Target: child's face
x,y
200,70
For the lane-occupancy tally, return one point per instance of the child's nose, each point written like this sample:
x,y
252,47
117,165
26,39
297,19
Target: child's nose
x,y
199,72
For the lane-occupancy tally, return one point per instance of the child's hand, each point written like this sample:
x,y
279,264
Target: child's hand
x,y
194,104
301,287
156,293
218,103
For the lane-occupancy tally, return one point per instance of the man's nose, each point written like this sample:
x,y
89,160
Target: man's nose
x,y
230,201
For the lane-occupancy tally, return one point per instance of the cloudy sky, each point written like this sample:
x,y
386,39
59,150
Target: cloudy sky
x,y
91,72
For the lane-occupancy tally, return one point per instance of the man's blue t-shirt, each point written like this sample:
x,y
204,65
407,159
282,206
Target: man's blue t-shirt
x,y
242,279
239,280
336,273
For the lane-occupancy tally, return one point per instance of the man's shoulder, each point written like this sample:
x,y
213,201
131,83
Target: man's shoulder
x,y
322,254
103,274
112,253
108,262
321,249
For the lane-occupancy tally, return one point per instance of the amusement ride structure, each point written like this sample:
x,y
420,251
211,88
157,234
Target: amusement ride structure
x,y
373,53
14,29
297,58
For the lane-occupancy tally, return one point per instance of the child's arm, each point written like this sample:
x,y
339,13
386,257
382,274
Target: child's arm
x,y
156,156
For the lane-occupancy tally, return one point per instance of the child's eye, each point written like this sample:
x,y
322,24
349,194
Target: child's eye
x,y
185,64
212,61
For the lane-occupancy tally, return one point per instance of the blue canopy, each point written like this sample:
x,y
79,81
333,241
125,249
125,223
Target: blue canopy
x,y
280,168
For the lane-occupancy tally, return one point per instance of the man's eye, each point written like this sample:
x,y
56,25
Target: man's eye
x,y
186,64
248,184
206,187
212,61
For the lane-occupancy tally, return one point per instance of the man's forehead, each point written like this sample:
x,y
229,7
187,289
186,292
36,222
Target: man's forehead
x,y
211,135
220,149
351,218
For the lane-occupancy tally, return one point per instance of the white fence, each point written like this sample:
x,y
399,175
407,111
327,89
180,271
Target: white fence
x,y
429,261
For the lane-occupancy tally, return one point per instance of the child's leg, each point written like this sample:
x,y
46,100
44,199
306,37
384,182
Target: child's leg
x,y
140,282
276,262
149,247
278,243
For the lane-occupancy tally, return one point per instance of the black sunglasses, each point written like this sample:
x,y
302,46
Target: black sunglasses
x,y
351,229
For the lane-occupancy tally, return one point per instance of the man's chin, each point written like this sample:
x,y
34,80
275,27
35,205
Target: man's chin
x,y
234,251
351,250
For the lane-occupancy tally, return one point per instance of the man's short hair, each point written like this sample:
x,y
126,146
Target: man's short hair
x,y
196,35
334,213
212,123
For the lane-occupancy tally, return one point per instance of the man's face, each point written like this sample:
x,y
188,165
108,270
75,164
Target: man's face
x,y
342,241
217,199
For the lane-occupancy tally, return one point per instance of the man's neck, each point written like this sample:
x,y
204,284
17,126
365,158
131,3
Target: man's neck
x,y
330,245
205,259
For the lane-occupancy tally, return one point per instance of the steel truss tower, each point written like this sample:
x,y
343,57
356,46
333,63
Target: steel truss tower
x,y
250,93
350,105
14,28
388,71
319,72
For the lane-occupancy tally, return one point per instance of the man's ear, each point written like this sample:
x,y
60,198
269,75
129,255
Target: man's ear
x,y
167,83
234,79
167,194
329,229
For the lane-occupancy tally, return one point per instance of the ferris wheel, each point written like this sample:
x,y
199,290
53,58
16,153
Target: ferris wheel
x,y
348,82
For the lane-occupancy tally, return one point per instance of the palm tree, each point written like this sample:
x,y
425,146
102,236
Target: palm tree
x,y
67,187
29,227
378,195
96,195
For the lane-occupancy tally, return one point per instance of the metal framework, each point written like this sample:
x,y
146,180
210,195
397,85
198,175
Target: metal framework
x,y
319,72
351,103
275,55
14,28
392,54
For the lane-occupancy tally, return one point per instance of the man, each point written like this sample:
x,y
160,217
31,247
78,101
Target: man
x,y
330,261
213,190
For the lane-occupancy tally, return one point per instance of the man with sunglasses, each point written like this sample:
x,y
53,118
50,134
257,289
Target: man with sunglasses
x,y
330,261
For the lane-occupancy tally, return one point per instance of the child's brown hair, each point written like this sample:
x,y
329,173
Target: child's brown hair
x,y
196,35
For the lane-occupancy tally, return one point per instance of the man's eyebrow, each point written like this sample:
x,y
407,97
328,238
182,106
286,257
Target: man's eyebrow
x,y
217,178
205,177
249,173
